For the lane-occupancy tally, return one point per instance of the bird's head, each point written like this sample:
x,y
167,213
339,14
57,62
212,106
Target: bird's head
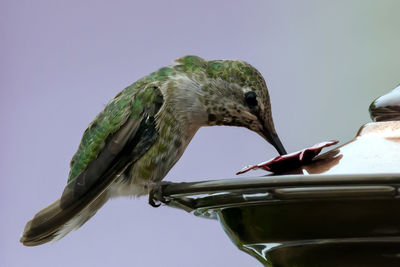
x,y
233,93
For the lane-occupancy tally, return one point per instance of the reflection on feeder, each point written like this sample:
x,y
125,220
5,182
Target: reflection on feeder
x,y
386,107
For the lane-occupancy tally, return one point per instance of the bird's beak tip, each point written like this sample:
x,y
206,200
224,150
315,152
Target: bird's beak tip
x,y
274,140
278,145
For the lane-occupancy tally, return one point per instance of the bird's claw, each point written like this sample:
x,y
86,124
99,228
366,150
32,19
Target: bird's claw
x,y
156,197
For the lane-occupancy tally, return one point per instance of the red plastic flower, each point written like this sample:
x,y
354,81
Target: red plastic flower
x,y
290,161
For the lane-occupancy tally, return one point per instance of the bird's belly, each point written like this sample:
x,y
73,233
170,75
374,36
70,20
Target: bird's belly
x,y
118,189
149,169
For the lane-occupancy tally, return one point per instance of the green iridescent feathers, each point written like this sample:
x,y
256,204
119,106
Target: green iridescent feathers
x,y
132,102
140,96
232,71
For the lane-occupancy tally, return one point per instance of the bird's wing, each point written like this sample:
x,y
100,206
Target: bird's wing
x,y
118,137
105,153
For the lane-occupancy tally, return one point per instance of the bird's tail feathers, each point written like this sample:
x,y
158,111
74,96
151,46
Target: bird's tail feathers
x,y
53,222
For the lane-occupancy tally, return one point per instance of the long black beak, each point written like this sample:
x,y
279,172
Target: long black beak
x,y
274,140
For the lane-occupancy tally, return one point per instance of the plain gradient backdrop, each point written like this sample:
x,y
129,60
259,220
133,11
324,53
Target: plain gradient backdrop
x,y
62,61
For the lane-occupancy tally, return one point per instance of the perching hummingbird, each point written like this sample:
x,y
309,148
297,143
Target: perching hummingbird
x,y
144,130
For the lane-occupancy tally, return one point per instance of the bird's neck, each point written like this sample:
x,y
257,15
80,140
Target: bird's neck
x,y
182,94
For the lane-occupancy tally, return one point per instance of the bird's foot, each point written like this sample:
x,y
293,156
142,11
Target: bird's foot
x,y
156,197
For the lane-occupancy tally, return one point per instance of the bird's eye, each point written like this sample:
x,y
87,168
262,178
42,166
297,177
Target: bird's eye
x,y
251,99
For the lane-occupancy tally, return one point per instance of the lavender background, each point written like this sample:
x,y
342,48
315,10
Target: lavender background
x,y
61,62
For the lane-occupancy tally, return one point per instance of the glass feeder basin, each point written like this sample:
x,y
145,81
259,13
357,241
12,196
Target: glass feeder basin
x,y
297,220
342,209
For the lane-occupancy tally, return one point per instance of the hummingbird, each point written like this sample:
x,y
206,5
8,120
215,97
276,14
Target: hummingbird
x,y
144,130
